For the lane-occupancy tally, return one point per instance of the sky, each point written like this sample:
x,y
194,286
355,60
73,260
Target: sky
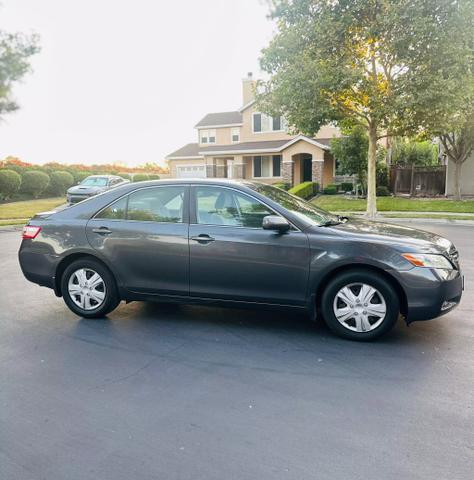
x,y
120,81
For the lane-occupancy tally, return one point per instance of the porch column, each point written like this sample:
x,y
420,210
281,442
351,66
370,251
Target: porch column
x,y
287,169
238,167
210,167
317,165
221,168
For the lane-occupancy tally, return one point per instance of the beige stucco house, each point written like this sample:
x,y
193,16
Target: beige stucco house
x,y
249,144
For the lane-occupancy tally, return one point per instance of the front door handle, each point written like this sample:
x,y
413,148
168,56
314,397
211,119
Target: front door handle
x,y
102,230
203,238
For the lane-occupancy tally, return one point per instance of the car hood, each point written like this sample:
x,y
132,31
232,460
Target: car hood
x,y
398,236
84,190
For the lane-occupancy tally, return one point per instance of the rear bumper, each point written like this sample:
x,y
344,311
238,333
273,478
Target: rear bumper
x,y
430,293
38,267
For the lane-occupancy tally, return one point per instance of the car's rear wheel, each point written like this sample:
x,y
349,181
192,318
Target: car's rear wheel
x,y
89,288
360,305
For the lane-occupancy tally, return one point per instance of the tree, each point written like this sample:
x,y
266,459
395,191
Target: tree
x,y
458,145
380,64
409,152
15,52
351,152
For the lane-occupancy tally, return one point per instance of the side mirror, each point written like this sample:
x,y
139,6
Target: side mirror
x,y
274,222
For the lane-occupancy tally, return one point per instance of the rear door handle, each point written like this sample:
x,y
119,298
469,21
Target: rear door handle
x,y
203,238
102,230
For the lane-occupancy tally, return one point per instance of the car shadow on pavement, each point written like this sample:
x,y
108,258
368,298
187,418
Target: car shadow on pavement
x,y
158,320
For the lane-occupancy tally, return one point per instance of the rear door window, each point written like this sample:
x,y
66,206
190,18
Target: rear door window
x,y
159,204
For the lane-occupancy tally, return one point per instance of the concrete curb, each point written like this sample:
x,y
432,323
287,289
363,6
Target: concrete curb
x,y
438,221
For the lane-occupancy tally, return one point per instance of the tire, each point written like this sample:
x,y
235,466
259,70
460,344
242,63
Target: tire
x,y
360,319
100,296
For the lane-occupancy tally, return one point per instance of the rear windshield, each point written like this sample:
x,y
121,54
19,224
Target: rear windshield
x,y
95,182
299,207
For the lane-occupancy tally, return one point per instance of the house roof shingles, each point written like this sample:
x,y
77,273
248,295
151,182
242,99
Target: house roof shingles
x,y
193,150
263,145
220,118
259,146
189,150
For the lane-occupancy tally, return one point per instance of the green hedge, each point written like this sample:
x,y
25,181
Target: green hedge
x,y
140,177
330,189
34,182
283,186
10,182
153,176
305,190
59,182
383,191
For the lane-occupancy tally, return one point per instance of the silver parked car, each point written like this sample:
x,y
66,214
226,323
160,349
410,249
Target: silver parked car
x,y
93,185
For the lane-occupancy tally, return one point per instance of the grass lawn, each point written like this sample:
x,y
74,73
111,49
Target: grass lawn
x,y
338,203
12,213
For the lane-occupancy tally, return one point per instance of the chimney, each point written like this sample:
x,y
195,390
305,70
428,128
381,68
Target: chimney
x,y
248,88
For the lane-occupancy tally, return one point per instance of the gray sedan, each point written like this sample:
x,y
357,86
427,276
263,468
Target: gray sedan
x,y
93,185
239,243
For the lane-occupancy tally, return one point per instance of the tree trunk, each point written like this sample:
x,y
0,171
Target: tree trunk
x,y
371,211
457,180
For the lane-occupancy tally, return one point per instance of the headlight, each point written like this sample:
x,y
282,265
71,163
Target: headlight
x,y
428,260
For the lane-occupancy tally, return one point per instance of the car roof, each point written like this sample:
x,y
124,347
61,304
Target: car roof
x,y
102,176
195,181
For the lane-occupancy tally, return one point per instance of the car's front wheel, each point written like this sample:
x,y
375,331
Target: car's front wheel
x,y
89,288
360,305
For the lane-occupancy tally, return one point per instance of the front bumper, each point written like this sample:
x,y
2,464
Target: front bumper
x,y
431,293
74,198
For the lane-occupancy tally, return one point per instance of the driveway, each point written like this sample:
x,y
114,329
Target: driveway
x,y
165,392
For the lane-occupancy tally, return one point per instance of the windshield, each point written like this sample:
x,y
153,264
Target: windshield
x,y
301,208
95,182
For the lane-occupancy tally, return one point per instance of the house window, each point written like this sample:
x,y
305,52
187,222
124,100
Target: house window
x,y
267,166
235,135
265,123
208,136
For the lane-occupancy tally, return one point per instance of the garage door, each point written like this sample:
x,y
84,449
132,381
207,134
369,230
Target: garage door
x,y
191,171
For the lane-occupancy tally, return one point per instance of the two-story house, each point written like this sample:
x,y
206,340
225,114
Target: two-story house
x,y
249,144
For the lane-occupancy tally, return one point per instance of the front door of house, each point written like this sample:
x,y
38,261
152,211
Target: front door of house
x,y
307,170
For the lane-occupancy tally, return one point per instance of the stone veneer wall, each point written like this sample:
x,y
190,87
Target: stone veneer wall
x,y
317,172
287,172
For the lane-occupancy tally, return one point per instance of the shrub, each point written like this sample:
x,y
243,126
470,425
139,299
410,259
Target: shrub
x,y
330,189
305,190
59,182
79,175
140,177
153,176
383,191
34,182
126,176
282,185
382,175
346,186
10,182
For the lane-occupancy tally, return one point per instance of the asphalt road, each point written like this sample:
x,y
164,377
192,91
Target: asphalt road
x,y
163,392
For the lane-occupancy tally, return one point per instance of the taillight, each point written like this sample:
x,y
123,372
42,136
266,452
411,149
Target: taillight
x,y
29,231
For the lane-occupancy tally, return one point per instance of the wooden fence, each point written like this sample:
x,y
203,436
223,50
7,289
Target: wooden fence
x,y
422,181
